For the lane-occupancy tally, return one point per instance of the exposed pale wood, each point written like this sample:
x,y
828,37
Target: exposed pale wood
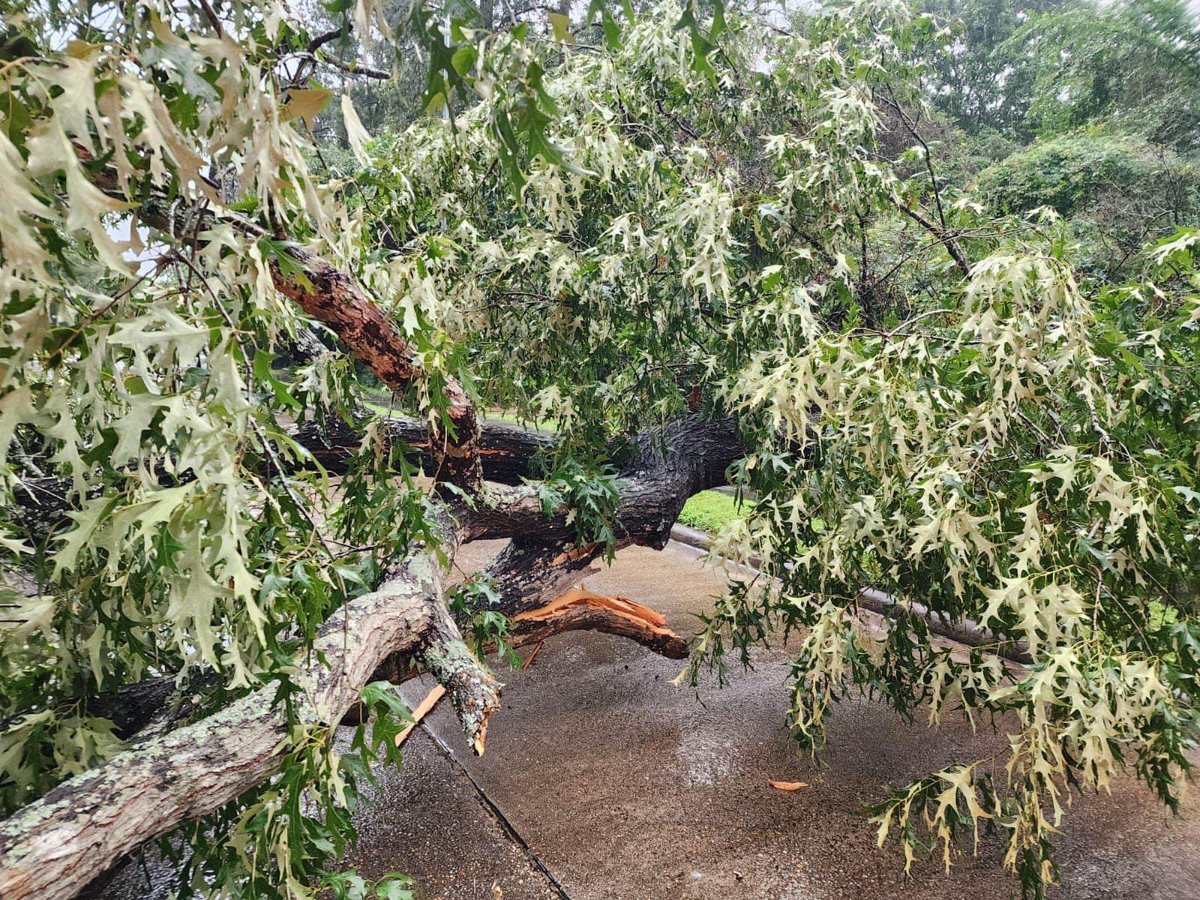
x,y
581,608
423,709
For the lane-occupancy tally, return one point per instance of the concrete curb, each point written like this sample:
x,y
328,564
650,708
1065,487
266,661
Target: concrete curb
x,y
965,632
684,535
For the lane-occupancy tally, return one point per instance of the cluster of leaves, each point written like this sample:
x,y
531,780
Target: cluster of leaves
x,y
1025,459
280,838
472,606
693,214
617,272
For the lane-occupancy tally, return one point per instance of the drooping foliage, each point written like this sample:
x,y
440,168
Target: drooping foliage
x,y
1020,459
693,211
1016,453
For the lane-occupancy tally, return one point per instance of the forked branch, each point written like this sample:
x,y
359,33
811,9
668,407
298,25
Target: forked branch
x,y
53,847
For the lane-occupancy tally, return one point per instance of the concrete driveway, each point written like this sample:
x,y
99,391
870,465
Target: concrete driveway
x,y
603,780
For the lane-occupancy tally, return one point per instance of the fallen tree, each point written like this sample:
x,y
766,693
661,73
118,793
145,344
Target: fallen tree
x,y
58,844
215,540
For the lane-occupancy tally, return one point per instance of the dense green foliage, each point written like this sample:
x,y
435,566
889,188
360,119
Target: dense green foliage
x,y
835,231
1067,174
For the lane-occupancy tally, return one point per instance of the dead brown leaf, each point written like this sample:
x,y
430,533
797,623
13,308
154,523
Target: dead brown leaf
x,y
788,785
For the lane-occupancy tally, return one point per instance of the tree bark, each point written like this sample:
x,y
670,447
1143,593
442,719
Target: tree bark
x,y
506,451
669,464
338,301
53,847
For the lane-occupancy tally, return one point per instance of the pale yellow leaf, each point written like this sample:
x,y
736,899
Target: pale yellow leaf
x,y
355,131
305,104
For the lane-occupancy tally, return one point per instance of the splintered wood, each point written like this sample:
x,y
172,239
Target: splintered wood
x,y
582,608
422,710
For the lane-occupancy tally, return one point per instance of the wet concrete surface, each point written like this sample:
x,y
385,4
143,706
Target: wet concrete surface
x,y
622,785
625,786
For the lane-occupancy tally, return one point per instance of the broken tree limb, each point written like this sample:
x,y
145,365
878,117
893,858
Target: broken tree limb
x,y
53,847
580,608
528,574
507,453
619,616
537,585
336,300
576,609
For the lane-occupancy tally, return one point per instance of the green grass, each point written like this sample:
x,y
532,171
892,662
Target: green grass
x,y
709,511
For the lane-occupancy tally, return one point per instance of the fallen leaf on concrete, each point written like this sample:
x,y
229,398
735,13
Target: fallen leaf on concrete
x,y
788,785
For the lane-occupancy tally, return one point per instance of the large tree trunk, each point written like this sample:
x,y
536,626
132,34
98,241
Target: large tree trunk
x,y
56,845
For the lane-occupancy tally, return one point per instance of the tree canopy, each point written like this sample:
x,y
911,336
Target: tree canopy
x,y
242,374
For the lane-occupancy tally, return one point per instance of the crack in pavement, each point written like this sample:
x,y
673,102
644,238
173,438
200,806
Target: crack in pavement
x,y
498,815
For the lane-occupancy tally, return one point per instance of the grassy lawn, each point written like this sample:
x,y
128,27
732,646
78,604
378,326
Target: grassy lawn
x,y
709,511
